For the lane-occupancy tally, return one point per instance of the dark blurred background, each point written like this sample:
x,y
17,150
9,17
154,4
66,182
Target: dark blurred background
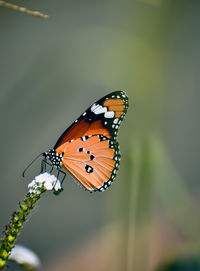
x,y
50,72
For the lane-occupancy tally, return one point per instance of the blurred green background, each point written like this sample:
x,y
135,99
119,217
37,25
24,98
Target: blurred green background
x,y
50,72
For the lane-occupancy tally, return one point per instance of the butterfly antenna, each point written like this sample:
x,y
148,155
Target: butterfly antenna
x,y
23,173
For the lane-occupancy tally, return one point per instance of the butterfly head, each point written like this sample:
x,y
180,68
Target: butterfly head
x,y
54,157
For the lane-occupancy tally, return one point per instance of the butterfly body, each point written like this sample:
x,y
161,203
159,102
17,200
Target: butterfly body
x,y
54,158
88,149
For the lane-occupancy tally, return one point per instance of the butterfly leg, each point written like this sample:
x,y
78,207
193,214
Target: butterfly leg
x,y
58,173
64,174
44,166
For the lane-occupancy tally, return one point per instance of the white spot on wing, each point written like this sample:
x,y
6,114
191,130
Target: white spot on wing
x,y
116,121
100,110
109,114
94,106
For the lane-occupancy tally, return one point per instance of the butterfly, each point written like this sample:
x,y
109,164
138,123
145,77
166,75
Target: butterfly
x,y
88,149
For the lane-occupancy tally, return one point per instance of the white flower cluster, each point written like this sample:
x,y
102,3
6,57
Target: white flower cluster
x,y
46,180
23,255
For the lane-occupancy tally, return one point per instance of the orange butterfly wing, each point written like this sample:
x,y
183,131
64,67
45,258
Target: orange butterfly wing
x,y
93,162
89,147
83,128
102,118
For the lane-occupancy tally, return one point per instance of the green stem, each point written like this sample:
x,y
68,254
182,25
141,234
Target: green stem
x,y
16,222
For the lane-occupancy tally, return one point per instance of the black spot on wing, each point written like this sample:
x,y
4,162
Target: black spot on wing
x,y
89,169
92,157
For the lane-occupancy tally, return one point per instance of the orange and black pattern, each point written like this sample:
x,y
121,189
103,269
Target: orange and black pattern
x,y
88,149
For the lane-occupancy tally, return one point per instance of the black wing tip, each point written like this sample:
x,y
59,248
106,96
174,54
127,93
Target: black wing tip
x,y
115,93
118,92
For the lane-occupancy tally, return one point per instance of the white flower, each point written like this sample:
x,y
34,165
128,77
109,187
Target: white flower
x,y
46,180
48,185
25,256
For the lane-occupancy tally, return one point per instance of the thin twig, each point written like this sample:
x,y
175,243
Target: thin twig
x,y
23,10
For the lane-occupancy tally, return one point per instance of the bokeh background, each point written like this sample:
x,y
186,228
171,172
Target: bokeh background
x,y
50,72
